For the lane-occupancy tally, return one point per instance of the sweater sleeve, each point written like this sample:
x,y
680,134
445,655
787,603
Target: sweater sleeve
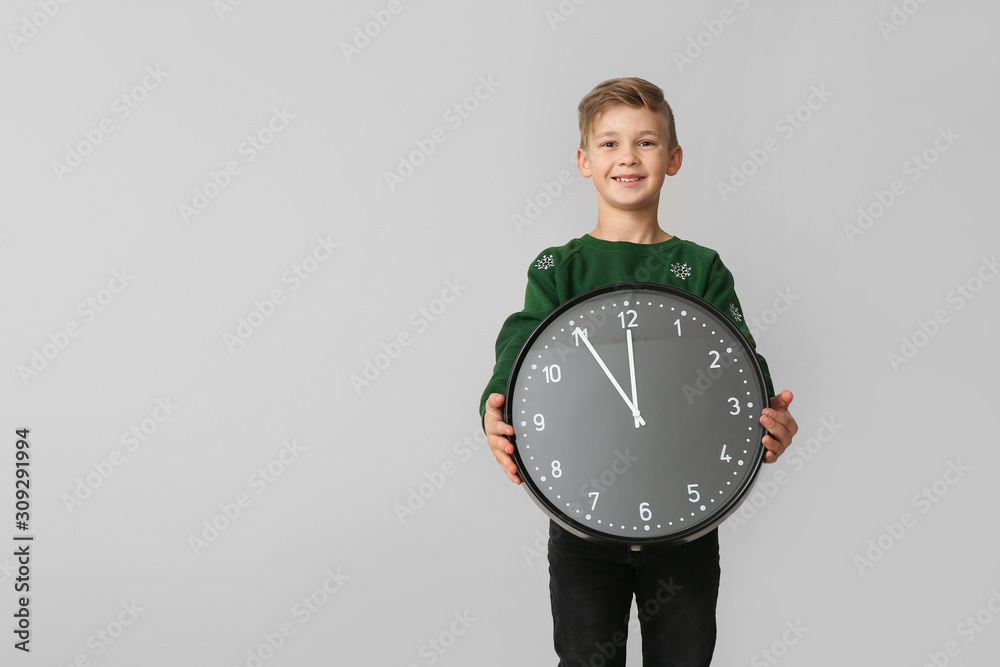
x,y
540,299
721,292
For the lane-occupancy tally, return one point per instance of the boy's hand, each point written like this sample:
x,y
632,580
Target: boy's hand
x,y
496,429
780,424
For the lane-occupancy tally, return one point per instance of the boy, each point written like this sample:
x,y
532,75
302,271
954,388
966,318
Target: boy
x,y
627,145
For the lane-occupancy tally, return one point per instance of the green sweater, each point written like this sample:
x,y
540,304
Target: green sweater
x,y
558,274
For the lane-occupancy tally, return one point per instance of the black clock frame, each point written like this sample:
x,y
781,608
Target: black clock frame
x,y
582,530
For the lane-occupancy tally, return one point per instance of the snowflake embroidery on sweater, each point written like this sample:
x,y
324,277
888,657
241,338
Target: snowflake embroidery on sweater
x,y
544,262
736,312
682,271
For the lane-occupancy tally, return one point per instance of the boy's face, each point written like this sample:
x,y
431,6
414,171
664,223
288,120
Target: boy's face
x,y
628,143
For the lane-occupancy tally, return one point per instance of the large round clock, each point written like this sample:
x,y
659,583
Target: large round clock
x,y
635,409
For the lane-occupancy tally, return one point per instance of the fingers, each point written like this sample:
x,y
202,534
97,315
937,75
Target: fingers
x,y
509,467
777,440
493,404
782,400
496,430
774,449
780,424
493,422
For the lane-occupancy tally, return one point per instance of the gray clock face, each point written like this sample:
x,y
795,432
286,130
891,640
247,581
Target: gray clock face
x,y
636,411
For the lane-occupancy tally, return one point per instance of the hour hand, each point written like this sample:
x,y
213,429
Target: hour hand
x,y
639,421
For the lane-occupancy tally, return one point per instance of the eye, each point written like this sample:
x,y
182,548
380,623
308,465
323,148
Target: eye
x,y
646,141
606,143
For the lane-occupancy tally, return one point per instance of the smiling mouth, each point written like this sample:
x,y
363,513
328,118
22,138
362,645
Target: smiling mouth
x,y
628,180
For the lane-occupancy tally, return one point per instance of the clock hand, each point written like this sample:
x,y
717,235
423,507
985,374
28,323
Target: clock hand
x,y
631,370
639,421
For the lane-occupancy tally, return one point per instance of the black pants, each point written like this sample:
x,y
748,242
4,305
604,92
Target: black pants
x,y
591,587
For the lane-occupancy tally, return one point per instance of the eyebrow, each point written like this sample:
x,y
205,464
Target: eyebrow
x,y
612,133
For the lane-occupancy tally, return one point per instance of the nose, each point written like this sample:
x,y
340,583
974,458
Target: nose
x,y
627,156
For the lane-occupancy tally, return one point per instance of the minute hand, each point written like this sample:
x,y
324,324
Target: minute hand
x,y
639,421
631,372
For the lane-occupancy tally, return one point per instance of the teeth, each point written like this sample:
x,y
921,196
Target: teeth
x,y
627,180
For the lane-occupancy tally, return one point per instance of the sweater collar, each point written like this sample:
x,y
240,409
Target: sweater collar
x,y
628,246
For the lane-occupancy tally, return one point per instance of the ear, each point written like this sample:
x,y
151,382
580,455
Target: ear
x,y
674,161
583,162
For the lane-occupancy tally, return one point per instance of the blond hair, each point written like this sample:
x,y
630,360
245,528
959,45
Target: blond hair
x,y
632,91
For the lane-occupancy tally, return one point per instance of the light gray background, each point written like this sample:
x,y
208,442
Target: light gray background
x,y
473,550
